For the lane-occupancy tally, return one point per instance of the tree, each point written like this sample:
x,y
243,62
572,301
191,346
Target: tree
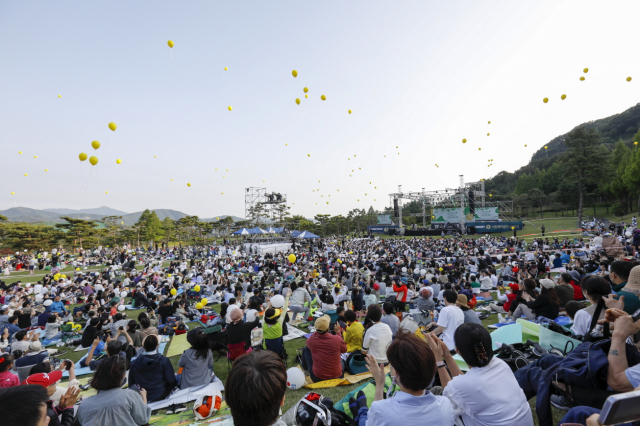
x,y
149,225
3,218
168,228
111,225
631,175
77,231
322,219
21,236
618,210
537,198
584,161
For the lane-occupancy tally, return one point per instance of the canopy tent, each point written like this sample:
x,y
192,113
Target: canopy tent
x,y
257,230
306,234
294,234
271,230
279,230
243,231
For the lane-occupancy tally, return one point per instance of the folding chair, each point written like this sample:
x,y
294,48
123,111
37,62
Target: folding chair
x,y
234,350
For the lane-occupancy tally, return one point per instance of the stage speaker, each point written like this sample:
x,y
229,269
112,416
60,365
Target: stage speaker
x,y
395,207
472,202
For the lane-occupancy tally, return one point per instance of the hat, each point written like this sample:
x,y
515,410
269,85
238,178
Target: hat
x,y
48,302
514,287
462,301
547,283
35,346
575,275
633,283
322,323
44,379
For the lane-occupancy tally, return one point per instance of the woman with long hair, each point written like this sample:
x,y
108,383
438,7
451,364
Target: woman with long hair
x,y
196,363
473,395
546,304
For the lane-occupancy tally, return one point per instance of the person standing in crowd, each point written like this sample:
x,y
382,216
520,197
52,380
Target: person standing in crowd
x,y
451,317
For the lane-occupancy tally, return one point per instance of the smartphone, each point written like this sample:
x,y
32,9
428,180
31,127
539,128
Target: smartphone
x,y
621,408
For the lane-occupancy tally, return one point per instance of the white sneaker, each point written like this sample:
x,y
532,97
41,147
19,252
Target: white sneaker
x,y
501,319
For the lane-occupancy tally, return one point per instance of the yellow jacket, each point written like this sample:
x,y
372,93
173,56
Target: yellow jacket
x,y
353,336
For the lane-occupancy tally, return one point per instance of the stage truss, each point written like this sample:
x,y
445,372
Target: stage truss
x,y
264,208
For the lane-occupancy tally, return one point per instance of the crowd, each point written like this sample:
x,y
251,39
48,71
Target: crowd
x,y
398,308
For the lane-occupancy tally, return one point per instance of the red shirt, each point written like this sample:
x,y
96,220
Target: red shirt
x,y
510,298
401,289
577,291
325,350
8,380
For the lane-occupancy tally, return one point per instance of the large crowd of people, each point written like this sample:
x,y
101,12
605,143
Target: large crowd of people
x,y
397,308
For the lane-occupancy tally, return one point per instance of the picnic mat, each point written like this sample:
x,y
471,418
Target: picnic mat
x,y
187,395
294,333
349,379
178,345
508,334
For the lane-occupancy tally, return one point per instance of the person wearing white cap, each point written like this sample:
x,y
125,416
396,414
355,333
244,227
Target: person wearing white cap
x,y
546,304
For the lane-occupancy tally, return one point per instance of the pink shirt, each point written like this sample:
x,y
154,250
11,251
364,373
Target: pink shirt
x,y
8,379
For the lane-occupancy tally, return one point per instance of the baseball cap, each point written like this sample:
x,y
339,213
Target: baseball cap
x,y
322,323
35,346
547,283
48,302
43,379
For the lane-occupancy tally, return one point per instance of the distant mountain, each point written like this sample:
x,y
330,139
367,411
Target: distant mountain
x,y
102,211
25,214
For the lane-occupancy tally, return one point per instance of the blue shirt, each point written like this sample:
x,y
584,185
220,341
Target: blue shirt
x,y
57,307
411,410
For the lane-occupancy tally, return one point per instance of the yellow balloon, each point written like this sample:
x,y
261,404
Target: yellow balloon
x,y
323,97
26,174
349,111
229,108
489,122
294,73
155,156
171,180
545,100
196,288
198,306
35,156
106,192
464,141
204,301
305,90
586,70
95,144
46,170
112,126
581,78
118,161
93,160
298,101
170,43
525,145
188,184
173,292
563,97
306,96
488,134
292,258
635,143
83,156
13,193
225,68
479,149
19,152
59,96
628,78
308,155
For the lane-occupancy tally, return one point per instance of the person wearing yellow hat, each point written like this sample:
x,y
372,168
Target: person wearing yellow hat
x,y
321,357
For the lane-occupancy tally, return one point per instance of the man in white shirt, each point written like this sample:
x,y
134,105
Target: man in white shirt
x,y
378,337
451,317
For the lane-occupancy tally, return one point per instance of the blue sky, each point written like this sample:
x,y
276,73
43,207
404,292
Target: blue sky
x,y
420,75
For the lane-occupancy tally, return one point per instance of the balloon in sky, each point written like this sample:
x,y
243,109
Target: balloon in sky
x,y
586,70
635,143
170,43
305,90
19,152
349,111
118,161
95,144
545,147
46,170
82,156
323,97
188,184
545,100
13,193
563,97
226,69
464,141
294,73
489,122
35,156
106,192
479,149
525,145
113,126
59,96
229,108
306,96
26,174
93,160
488,134
582,78
628,78
308,155
298,101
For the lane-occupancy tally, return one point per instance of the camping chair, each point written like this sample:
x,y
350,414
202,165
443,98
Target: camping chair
x,y
333,315
234,350
277,346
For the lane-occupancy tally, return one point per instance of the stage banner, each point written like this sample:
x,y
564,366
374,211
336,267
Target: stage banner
x,y
384,219
459,215
443,215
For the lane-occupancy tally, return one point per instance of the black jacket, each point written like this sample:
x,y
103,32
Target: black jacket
x,y
242,332
66,415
